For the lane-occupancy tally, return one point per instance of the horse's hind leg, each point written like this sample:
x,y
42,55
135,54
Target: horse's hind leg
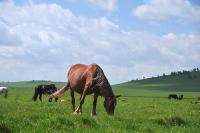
x,y
35,95
73,100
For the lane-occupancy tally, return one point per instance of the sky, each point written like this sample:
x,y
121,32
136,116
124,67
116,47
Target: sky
x,y
129,39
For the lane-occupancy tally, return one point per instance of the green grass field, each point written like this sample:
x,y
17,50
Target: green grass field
x,y
143,107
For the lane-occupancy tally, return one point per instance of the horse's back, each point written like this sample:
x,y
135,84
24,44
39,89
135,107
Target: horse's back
x,y
80,74
3,88
175,96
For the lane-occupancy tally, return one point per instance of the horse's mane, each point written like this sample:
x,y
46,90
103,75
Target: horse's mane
x,y
102,82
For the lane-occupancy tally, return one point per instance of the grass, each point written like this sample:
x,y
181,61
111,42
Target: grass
x,y
141,108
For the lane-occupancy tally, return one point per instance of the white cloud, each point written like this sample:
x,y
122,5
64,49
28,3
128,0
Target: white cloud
x,y
109,5
159,10
43,41
169,36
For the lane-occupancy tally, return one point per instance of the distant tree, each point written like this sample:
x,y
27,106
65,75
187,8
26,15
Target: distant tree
x,y
173,74
194,69
185,72
164,75
198,69
179,72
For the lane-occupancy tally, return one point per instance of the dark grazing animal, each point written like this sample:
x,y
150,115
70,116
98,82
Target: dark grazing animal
x,y
198,100
4,90
174,96
88,79
44,89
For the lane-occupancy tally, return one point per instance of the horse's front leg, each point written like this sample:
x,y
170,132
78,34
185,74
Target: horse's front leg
x,y
94,104
79,109
40,97
6,95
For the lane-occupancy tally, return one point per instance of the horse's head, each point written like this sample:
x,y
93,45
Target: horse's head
x,y
110,103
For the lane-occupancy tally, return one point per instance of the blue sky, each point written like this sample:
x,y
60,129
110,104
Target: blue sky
x,y
123,17
41,39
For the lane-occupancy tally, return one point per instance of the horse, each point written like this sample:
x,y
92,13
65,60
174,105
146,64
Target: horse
x,y
198,100
44,89
175,96
86,80
4,90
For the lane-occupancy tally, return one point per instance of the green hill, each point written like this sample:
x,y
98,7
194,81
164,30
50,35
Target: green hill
x,y
182,82
188,81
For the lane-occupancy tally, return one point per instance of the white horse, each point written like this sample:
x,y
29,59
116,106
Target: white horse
x,y
4,90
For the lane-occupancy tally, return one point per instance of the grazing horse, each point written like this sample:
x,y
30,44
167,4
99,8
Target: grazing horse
x,y
4,90
44,89
175,96
198,100
88,79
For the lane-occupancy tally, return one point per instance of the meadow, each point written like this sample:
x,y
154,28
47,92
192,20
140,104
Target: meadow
x,y
143,107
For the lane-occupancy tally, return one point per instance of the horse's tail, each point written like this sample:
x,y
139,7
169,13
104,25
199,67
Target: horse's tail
x,y
35,95
59,92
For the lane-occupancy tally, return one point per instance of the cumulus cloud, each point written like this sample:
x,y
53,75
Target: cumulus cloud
x,y
41,41
159,10
109,5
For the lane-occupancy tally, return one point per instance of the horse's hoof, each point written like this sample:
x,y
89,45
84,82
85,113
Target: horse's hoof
x,y
93,115
76,113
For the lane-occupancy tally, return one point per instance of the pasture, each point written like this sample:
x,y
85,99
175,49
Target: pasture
x,y
137,110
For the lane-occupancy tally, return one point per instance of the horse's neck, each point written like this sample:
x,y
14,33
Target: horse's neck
x,y
103,84
106,90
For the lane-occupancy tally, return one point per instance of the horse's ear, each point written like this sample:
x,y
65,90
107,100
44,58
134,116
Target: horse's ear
x,y
117,96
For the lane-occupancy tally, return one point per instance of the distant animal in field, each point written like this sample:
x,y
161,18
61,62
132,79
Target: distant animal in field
x,y
85,80
44,89
175,96
4,90
198,100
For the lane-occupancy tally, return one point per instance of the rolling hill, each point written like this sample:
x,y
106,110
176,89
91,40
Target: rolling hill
x,y
178,82
188,81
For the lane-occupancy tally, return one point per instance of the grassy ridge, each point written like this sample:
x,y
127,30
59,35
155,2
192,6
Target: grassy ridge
x,y
167,83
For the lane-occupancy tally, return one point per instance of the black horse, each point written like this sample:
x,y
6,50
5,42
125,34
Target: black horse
x,y
44,89
174,96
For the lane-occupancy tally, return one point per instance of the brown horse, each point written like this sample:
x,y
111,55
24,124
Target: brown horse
x,y
88,79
